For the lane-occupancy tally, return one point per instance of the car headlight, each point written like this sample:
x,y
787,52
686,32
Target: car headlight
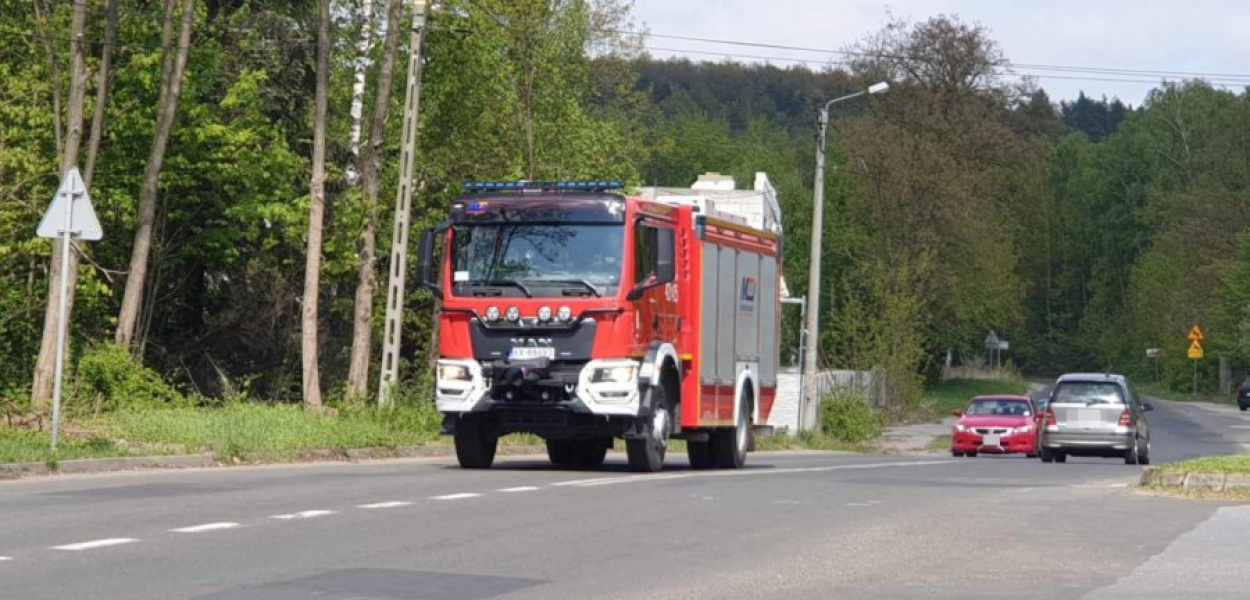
x,y
614,374
453,372
960,427
1022,429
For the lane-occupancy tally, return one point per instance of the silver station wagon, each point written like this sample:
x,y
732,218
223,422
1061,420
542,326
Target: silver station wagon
x,y
1093,414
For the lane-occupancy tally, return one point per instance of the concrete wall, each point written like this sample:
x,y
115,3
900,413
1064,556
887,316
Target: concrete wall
x,y
785,414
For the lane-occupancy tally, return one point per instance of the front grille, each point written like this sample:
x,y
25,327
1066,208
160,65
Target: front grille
x,y
990,430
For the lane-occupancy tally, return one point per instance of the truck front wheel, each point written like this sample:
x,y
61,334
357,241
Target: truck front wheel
x,y
475,446
646,454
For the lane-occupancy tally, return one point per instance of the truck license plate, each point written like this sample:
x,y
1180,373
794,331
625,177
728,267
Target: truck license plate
x,y
532,352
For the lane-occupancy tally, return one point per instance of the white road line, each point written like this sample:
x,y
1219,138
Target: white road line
x,y
859,504
206,527
5,558
392,504
524,488
307,514
96,544
455,496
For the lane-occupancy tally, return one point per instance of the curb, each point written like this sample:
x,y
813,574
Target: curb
x,y
206,459
1193,480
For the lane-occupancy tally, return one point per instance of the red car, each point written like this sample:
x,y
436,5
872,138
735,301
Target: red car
x,y
996,425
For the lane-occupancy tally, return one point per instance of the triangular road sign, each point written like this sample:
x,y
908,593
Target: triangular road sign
x,y
1195,350
1195,333
73,195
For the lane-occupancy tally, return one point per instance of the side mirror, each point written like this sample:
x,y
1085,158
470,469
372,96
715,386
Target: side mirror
x,y
958,412
1147,407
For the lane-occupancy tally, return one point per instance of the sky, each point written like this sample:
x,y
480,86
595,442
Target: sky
x,y
1194,36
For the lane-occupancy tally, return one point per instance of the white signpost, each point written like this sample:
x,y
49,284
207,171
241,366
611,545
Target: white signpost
x,y
70,216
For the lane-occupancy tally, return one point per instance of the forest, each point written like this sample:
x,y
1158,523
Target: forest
x,y
243,157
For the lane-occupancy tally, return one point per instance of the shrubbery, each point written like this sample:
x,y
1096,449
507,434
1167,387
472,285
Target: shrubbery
x,y
848,418
110,379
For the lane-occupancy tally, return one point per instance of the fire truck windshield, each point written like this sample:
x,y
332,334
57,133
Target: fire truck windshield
x,y
539,259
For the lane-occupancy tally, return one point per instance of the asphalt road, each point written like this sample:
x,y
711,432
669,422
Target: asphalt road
x,y
797,525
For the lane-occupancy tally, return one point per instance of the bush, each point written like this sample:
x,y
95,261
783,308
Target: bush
x,y
848,418
111,379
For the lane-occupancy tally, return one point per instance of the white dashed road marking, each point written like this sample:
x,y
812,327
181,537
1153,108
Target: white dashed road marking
x,y
5,558
524,488
206,527
96,544
393,504
307,514
455,496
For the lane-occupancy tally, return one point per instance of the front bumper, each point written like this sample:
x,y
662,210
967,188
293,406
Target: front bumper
x,y
1016,443
478,392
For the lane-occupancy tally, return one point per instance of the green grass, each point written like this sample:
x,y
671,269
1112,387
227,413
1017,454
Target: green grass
x,y
1239,463
947,396
1157,391
809,441
23,445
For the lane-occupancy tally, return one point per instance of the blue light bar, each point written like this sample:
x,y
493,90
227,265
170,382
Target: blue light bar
x,y
583,186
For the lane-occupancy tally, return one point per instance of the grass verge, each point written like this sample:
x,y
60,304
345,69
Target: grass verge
x,y
941,443
1237,463
1157,391
810,441
947,396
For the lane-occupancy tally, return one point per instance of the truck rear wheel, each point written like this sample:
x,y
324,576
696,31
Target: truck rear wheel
x,y
700,454
646,455
475,447
729,447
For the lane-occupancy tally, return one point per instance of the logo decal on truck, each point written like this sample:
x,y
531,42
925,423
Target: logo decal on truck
x,y
747,297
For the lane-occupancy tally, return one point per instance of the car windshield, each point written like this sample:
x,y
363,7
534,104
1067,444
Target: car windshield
x,y
586,257
985,408
1087,392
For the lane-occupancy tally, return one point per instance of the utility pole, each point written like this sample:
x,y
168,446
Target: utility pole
x,y
811,375
403,211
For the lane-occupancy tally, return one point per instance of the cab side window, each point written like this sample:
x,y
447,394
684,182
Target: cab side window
x,y
654,252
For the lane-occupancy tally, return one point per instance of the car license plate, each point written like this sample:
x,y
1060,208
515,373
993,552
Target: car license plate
x,y
1088,415
532,352
990,440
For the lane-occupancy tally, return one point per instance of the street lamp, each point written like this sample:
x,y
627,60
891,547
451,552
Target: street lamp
x,y
809,401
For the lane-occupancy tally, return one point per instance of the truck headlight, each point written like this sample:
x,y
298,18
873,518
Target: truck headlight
x,y
565,314
453,372
614,375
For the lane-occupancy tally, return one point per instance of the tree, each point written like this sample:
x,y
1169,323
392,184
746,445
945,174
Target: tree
x,y
316,214
172,68
41,390
362,335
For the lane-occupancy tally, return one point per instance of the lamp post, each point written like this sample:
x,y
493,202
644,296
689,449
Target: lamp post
x,y
807,411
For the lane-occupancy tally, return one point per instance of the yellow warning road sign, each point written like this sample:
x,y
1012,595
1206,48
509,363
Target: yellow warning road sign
x,y
1195,333
1195,350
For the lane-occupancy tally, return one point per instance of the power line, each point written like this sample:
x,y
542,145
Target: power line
x,y
1008,64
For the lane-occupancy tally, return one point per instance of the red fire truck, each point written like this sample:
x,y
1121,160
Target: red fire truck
x,y
579,314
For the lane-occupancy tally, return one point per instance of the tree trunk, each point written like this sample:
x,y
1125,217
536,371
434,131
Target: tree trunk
x,y
171,89
101,92
41,388
55,75
316,213
362,331
358,87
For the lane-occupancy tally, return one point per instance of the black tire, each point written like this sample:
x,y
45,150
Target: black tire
x,y
562,453
1132,456
591,453
1030,455
1047,455
729,447
1144,457
1061,457
957,454
1243,408
700,454
971,455
646,455
475,448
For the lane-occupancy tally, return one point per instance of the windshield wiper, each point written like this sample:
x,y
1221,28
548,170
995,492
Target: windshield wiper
x,y
590,286
497,282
